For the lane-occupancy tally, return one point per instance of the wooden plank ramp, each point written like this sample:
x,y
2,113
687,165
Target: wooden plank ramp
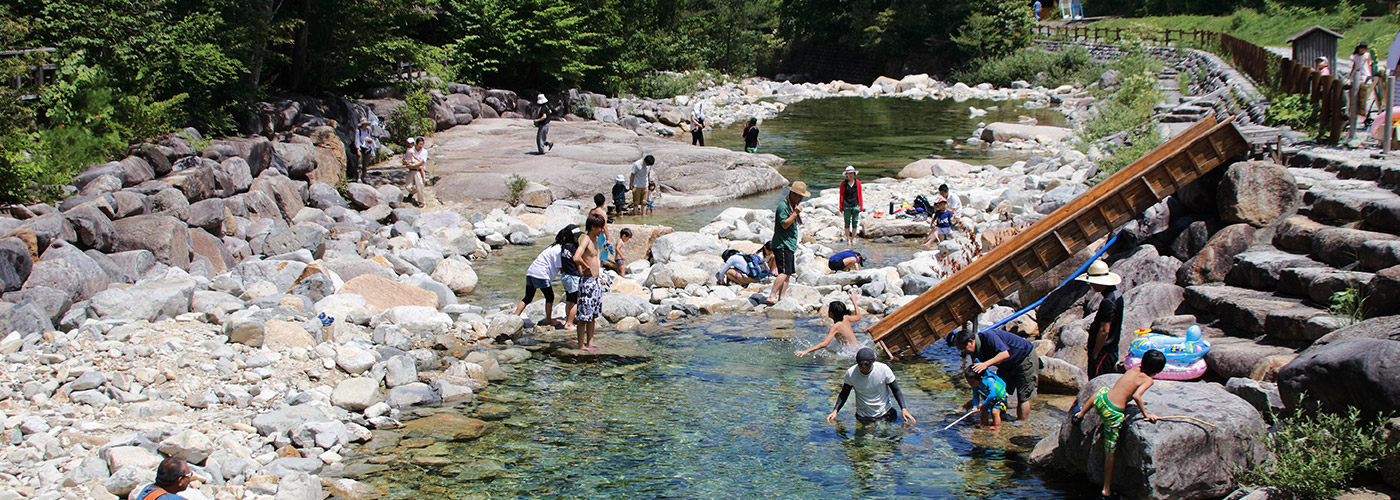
x,y
1054,239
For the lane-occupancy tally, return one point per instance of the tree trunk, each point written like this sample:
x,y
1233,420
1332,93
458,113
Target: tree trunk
x,y
299,50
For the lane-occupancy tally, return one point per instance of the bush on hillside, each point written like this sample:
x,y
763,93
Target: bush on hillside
x,y
1071,67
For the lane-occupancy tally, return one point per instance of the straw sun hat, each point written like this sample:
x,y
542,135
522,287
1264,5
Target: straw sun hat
x,y
1099,274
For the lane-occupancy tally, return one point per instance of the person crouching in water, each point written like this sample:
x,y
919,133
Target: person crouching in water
x,y
988,395
838,312
874,385
1112,405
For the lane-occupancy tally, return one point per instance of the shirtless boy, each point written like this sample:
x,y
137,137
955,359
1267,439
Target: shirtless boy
x,y
1112,407
590,296
837,311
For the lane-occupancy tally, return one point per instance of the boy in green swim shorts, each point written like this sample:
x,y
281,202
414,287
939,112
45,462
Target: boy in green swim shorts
x,y
1111,404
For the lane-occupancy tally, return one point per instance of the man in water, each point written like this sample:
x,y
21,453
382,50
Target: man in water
x,y
873,383
1013,356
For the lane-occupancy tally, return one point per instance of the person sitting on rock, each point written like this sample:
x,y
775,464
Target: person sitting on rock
x,y
1111,405
1013,356
942,221
744,269
842,326
845,260
173,476
618,263
954,204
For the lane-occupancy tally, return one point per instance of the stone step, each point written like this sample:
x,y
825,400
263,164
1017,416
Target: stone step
x,y
1377,208
1263,313
1319,283
1237,357
1336,246
1347,167
1259,267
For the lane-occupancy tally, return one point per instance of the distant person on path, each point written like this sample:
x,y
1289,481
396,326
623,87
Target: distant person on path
x,y
874,385
366,149
852,203
751,135
843,319
415,158
590,296
640,182
568,271
540,276
542,143
1323,67
697,125
988,396
744,269
1035,10
845,260
1361,75
618,262
1013,356
1112,406
785,236
954,203
619,193
172,477
1107,328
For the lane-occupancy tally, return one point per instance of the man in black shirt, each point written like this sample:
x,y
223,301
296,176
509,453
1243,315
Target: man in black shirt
x,y
1107,327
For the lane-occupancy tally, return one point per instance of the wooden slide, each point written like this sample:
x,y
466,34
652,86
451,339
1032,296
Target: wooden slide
x,y
1054,239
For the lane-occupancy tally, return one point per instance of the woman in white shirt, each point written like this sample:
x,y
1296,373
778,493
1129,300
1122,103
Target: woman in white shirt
x,y
1361,76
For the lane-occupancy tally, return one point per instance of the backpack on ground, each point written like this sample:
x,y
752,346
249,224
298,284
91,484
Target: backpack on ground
x,y
921,204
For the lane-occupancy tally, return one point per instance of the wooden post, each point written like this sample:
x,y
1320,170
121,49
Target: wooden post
x,y
1389,102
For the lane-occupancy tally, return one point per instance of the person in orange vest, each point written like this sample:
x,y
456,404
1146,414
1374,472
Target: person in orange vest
x,y
173,475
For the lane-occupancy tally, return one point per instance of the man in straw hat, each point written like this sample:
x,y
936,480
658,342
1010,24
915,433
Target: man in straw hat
x,y
542,123
785,236
1107,327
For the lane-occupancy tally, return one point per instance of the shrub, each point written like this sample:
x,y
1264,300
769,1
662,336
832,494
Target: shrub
x,y
411,118
1315,455
1065,67
1295,111
1349,305
516,184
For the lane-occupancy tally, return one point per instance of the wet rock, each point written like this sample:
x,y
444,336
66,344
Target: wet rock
x,y
1256,193
1169,458
1355,372
447,427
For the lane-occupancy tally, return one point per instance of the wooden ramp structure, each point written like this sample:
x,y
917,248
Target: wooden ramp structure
x,y
1054,239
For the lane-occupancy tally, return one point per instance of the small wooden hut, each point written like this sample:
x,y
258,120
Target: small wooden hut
x,y
1315,42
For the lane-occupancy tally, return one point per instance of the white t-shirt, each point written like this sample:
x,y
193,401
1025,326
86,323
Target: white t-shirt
x,y
954,204
415,155
641,174
872,392
546,265
1361,65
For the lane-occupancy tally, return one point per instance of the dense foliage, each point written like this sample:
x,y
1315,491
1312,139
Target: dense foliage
x,y
1351,443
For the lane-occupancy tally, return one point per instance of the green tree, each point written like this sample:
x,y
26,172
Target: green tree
x,y
995,28
520,41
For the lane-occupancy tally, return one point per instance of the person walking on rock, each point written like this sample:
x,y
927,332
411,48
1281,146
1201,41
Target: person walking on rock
x,y
1013,356
366,148
785,236
541,119
173,476
852,203
640,181
1107,328
751,135
416,159
697,125
874,385
1112,405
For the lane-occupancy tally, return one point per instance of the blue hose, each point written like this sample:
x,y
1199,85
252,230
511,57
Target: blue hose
x,y
1037,303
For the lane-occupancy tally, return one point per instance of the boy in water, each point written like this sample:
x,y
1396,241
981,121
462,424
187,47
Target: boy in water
x,y
619,192
590,293
837,311
651,199
1111,405
988,395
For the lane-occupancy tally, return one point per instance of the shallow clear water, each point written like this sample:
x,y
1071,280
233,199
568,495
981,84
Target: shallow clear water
x,y
723,409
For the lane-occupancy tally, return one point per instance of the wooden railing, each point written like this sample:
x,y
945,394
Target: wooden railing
x,y
1266,68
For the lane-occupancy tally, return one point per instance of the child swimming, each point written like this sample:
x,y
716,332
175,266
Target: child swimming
x,y
838,312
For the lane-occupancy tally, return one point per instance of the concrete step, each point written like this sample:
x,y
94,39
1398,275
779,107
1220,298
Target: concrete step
x,y
1262,313
1259,267
1336,246
1319,283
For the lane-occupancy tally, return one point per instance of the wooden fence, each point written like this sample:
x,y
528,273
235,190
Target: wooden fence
x,y
1266,68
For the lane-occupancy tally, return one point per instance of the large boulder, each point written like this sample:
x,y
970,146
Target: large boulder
x,y
1057,376
1354,372
684,245
92,228
165,236
1171,458
15,264
1256,193
64,267
1007,132
25,317
457,275
233,176
643,239
382,294
147,300
935,168
305,236
47,229
1215,260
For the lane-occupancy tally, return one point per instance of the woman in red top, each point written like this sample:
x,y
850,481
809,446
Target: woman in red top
x,y
852,203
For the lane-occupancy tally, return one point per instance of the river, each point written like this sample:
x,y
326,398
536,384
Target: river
x,y
719,407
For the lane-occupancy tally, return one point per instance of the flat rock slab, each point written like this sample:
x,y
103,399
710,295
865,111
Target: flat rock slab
x,y
475,162
617,347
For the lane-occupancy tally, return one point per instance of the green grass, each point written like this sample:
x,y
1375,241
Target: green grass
x,y
1273,26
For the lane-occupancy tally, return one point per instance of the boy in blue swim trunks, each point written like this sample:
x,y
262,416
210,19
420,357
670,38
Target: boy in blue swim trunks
x,y
988,395
1111,404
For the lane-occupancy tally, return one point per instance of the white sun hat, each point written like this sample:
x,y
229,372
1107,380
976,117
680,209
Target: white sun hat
x,y
1099,274
850,169
542,99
